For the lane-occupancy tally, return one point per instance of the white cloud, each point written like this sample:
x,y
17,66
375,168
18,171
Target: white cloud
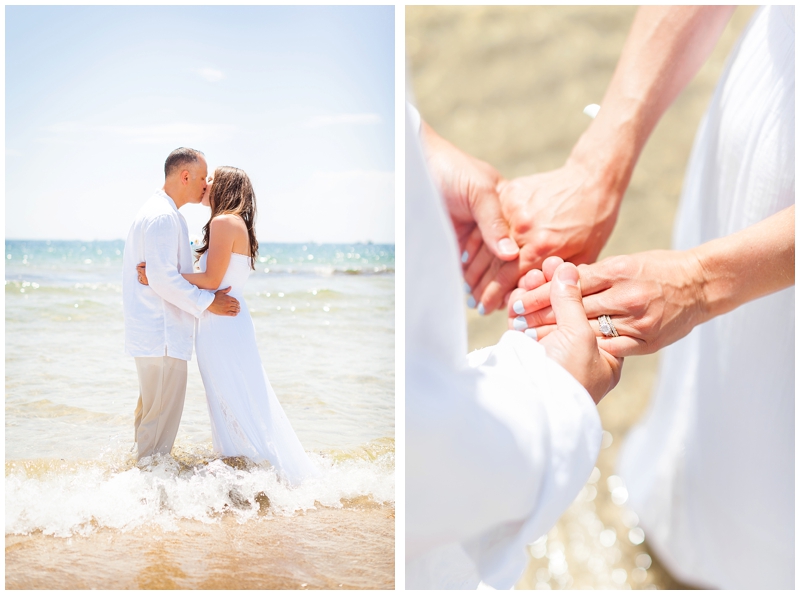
x,y
212,75
320,121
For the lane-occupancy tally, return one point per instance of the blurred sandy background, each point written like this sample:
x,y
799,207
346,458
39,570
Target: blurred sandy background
x,y
508,85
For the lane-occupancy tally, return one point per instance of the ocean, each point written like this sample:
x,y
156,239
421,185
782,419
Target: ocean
x,y
81,514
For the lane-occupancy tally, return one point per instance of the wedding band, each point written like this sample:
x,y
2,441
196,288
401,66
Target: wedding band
x,y
606,326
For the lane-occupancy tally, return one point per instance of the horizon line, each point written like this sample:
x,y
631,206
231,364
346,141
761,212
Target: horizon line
x,y
7,239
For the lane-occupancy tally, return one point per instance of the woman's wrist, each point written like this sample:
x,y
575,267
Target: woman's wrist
x,y
746,265
706,292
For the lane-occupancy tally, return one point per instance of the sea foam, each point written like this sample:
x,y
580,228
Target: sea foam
x,y
68,499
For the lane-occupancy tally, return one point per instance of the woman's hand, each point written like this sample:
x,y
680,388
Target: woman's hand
x,y
653,298
141,273
469,188
572,343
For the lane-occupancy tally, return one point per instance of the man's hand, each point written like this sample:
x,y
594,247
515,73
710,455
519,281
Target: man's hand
x,y
469,189
567,212
223,304
141,273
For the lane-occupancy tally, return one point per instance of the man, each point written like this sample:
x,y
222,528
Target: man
x,y
498,444
159,317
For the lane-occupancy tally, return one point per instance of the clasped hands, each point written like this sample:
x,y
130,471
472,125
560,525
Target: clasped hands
x,y
514,235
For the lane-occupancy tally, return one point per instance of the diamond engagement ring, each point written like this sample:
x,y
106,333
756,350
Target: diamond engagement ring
x,y
606,326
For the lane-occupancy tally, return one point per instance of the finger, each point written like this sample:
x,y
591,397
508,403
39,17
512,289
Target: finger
x,y
478,267
498,280
471,247
541,331
546,316
513,297
141,264
226,290
549,266
596,277
494,228
566,300
541,317
532,279
533,300
615,365
592,307
623,346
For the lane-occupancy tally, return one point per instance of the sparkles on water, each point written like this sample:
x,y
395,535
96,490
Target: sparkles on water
x,y
80,513
582,552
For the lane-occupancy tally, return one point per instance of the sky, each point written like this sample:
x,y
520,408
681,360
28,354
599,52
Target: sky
x,y
301,98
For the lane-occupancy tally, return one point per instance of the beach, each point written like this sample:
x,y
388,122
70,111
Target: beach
x,y
81,514
508,85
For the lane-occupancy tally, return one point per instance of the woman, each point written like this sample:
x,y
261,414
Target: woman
x,y
246,417
710,470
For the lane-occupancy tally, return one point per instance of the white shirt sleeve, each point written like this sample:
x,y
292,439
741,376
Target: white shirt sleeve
x,y
498,444
161,255
414,117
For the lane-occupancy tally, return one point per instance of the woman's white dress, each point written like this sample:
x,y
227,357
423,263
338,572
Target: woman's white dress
x,y
246,417
710,469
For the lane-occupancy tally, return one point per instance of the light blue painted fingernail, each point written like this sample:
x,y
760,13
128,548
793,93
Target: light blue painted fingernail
x,y
464,256
518,307
531,332
520,324
481,309
467,288
470,302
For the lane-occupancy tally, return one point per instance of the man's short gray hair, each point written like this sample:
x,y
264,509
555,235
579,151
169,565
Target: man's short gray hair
x,y
180,157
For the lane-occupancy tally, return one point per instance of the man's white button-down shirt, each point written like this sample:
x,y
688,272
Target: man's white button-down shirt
x,y
498,444
160,317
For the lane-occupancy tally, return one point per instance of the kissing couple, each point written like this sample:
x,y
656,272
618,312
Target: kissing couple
x,y
165,301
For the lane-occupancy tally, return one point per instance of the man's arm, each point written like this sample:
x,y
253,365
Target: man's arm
x,y
161,255
665,48
570,212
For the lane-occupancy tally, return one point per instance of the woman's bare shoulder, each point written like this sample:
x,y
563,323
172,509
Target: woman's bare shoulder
x,y
228,221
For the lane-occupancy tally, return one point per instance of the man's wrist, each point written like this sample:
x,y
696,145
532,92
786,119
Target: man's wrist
x,y
610,147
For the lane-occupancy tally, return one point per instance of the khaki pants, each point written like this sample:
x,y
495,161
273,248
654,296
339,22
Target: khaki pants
x,y
162,390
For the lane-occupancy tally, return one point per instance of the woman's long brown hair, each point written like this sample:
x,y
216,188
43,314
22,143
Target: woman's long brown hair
x,y
232,194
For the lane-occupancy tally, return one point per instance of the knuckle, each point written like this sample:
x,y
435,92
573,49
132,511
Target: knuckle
x,y
637,301
620,266
547,242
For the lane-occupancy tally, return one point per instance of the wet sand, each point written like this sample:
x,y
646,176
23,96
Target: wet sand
x,y
508,85
348,548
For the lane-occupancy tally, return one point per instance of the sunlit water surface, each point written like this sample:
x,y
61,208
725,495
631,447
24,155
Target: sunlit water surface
x,y
75,500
